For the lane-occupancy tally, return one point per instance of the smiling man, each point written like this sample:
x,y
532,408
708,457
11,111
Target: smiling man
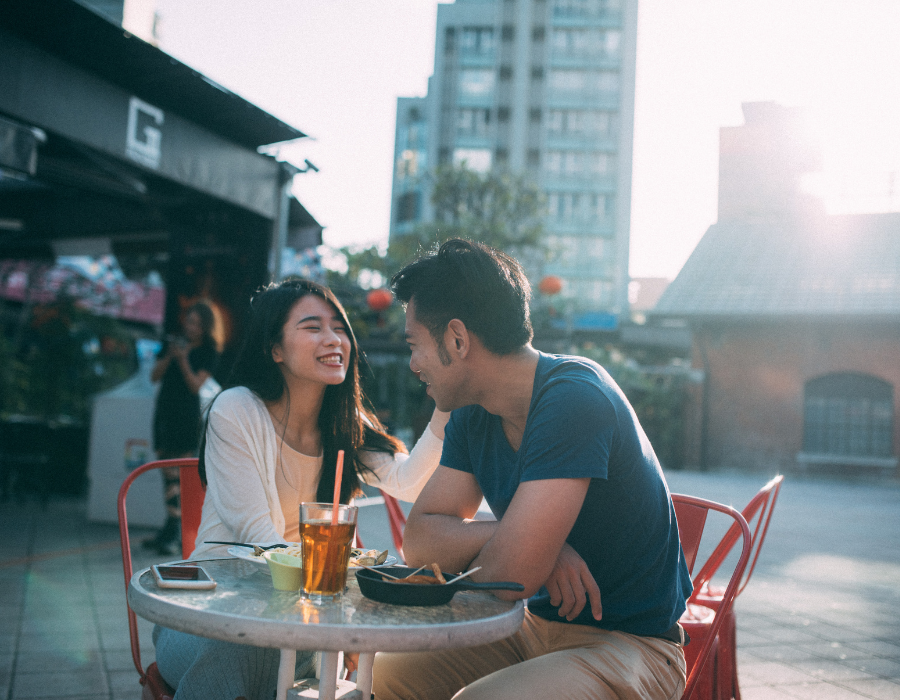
x,y
581,504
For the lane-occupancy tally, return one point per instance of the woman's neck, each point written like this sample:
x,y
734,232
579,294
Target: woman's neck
x,y
296,418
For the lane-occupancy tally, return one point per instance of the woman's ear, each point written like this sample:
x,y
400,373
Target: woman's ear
x,y
277,356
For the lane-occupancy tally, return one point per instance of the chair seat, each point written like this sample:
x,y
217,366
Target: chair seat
x,y
155,686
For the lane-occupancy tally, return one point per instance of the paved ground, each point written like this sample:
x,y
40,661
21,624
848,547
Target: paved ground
x,y
819,620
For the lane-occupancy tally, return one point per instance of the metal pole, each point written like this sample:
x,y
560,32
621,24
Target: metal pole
x,y
280,223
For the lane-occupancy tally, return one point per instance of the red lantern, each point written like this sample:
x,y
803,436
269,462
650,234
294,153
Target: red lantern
x,y
550,285
379,299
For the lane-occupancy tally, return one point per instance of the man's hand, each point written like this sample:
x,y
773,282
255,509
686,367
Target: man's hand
x,y
571,584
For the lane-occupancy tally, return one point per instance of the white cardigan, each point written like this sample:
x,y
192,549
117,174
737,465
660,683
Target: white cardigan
x,y
241,503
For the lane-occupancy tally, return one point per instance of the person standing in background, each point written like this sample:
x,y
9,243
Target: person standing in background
x,y
184,363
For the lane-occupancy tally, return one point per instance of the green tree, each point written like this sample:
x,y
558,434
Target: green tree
x,y
497,208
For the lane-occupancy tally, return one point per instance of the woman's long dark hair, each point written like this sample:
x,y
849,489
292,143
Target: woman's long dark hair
x,y
345,420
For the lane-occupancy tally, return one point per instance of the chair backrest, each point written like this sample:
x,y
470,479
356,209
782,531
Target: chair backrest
x,y
188,508
759,508
691,513
193,493
396,520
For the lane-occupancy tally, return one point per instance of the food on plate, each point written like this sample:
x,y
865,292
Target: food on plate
x,y
416,577
419,578
367,557
358,557
437,573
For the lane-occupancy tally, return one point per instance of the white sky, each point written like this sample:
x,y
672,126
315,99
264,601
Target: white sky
x,y
334,68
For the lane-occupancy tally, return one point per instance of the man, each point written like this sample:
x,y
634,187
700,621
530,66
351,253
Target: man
x,y
580,501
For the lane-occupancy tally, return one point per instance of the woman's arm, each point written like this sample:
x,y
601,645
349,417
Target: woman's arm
x,y
236,480
404,476
194,380
161,365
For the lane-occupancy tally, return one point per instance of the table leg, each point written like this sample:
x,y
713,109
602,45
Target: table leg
x,y
286,673
328,675
364,674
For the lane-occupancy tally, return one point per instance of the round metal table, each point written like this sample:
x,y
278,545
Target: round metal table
x,y
245,608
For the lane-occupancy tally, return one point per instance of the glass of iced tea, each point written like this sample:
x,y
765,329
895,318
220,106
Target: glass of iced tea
x,y
326,549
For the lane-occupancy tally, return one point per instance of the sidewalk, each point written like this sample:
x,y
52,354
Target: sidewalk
x,y
821,618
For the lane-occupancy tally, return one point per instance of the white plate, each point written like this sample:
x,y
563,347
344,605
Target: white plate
x,y
247,554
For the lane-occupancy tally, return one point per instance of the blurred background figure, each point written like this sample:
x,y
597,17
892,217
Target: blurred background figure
x,y
183,365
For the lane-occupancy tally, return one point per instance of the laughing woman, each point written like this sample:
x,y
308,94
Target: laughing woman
x,y
271,442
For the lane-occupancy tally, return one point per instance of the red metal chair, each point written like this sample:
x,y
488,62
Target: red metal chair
x,y
701,623
396,520
192,495
759,509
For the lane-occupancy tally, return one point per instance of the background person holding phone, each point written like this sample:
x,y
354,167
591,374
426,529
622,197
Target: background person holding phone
x,y
184,363
293,400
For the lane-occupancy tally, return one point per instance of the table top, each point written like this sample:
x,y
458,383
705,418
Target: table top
x,y
245,608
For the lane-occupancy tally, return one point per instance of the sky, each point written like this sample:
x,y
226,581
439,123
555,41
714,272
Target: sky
x,y
334,69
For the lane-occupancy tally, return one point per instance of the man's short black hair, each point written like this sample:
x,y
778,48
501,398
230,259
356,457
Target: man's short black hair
x,y
484,288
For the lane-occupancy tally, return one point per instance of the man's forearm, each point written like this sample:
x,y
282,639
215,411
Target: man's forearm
x,y
448,540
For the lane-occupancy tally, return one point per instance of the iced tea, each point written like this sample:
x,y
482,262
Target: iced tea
x,y
326,549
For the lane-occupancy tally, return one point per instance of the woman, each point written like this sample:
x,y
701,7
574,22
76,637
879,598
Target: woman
x,y
271,442
184,364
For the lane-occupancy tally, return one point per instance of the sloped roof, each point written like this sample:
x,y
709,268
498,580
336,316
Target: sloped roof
x,y
842,265
85,39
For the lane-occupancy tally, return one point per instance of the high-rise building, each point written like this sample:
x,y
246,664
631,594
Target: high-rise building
x,y
544,88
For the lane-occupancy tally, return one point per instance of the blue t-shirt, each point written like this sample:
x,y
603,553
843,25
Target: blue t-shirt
x,y
581,425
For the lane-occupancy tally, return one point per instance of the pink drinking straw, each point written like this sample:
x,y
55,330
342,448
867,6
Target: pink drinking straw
x,y
337,487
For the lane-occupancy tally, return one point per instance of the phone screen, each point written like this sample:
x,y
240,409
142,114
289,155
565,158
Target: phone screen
x,y
181,573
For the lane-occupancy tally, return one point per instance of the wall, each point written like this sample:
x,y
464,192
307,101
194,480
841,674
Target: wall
x,y
756,373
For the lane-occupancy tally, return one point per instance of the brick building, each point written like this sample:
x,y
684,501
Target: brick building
x,y
795,318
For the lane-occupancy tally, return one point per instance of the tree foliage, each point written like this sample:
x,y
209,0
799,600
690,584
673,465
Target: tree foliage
x,y
497,208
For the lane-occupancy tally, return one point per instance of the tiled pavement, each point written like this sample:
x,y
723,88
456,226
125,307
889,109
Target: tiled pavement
x,y
819,620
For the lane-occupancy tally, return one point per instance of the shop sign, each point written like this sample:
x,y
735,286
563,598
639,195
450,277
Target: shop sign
x,y
144,136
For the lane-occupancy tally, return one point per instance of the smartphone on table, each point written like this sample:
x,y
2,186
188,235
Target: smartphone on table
x,y
191,576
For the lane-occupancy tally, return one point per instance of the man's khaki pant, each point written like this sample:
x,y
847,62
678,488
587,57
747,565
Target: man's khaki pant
x,y
544,660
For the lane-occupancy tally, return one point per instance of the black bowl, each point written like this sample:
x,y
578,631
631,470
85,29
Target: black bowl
x,y
373,585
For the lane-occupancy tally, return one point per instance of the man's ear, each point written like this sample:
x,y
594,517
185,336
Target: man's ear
x,y
457,338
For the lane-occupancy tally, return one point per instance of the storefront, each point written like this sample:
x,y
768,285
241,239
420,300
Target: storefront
x,y
110,146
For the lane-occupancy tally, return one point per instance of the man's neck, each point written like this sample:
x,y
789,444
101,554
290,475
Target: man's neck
x,y
507,388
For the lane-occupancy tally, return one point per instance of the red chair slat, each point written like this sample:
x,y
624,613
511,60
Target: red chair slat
x,y
155,687
702,624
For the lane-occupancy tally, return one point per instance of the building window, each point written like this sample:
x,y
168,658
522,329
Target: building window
x,y
476,82
848,414
506,72
477,41
537,73
534,115
408,207
579,122
503,114
538,34
578,163
477,159
410,164
578,207
473,122
587,43
449,40
508,32
586,9
584,81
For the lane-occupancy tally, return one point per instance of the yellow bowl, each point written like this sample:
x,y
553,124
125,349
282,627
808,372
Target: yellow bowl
x,y
286,571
